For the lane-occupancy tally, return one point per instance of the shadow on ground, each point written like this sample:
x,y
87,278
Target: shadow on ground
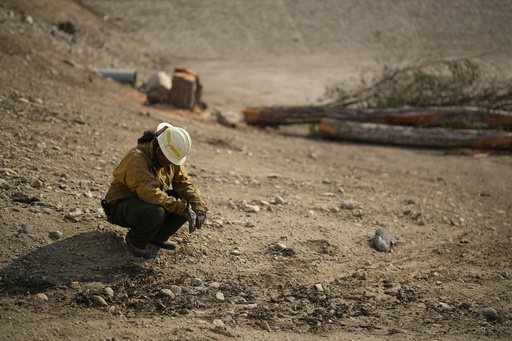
x,y
85,257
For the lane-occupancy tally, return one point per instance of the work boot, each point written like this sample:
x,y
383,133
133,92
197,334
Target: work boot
x,y
148,252
164,245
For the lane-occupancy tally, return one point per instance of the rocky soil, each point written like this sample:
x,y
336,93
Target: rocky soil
x,y
289,250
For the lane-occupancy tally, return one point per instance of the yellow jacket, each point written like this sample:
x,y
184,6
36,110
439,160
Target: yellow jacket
x,y
137,176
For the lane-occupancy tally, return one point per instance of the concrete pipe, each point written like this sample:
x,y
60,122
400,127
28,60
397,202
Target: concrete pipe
x,y
123,76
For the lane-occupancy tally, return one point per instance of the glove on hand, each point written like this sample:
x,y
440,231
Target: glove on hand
x,y
201,218
191,216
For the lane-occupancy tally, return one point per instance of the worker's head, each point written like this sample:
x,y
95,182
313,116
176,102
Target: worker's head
x,y
174,143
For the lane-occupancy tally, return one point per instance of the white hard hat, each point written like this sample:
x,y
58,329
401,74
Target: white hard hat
x,y
174,142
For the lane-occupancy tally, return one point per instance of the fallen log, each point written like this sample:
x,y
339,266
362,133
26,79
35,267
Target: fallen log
x,y
284,115
414,136
447,116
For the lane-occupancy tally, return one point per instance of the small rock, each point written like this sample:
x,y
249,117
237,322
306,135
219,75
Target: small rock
x,y
348,205
327,181
220,296
381,241
236,252
445,306
88,194
167,293
109,291
202,290
227,319
176,289
218,323
252,208
272,176
264,325
55,235
214,285
360,274
319,287
27,228
36,183
4,184
99,301
393,291
41,297
490,313
252,305
277,247
278,200
195,282
74,213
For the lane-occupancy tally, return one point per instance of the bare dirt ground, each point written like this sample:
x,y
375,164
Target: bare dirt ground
x,y
298,269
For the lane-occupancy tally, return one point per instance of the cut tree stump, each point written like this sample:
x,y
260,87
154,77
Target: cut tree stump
x,y
414,136
186,89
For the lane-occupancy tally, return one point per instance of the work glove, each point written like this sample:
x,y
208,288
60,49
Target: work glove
x,y
201,218
191,217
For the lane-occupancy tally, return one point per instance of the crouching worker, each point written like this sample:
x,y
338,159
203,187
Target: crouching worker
x,y
152,194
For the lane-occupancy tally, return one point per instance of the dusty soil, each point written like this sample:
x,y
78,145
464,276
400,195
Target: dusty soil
x,y
300,269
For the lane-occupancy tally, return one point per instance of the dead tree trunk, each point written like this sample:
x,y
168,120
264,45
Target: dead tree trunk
x,y
414,136
284,115
456,116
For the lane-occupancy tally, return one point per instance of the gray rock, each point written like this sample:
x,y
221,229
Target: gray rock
x,y
279,201
348,205
27,228
228,319
4,184
381,241
176,289
196,282
490,313
167,293
55,235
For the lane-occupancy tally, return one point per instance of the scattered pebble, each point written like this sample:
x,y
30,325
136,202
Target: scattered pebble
x,y
218,323
99,301
4,184
176,289
167,293
41,297
319,287
55,235
348,205
381,241
109,291
195,282
220,296
27,228
252,208
278,200
490,313
393,291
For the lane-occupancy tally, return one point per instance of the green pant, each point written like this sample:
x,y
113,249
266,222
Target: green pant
x,y
145,221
